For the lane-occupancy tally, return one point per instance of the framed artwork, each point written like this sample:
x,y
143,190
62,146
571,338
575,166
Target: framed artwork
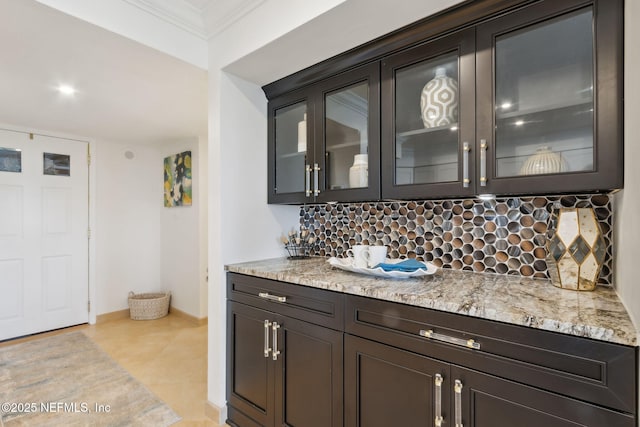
x,y
10,160
56,164
177,180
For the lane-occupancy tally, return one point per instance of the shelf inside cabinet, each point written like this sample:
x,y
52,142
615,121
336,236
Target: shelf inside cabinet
x,y
293,155
571,107
403,136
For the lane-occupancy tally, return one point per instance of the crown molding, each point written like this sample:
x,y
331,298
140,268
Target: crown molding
x,y
220,14
177,12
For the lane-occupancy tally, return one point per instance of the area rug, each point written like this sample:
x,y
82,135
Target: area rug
x,y
67,380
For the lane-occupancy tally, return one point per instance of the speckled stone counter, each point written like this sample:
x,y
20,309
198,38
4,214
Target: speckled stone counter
x,y
511,299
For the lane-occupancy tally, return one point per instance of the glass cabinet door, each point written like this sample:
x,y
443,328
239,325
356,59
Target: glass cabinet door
x,y
546,105
289,124
544,97
346,137
432,104
349,154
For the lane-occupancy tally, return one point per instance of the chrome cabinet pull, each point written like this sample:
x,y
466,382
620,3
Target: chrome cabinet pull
x,y
483,162
268,296
267,349
316,189
307,180
470,343
438,416
275,328
457,388
465,165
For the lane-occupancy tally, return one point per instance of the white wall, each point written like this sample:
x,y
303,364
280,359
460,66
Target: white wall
x,y
182,269
242,226
627,207
127,237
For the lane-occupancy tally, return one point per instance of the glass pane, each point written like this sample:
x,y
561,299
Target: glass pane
x,y
426,121
56,164
346,140
10,160
544,98
291,148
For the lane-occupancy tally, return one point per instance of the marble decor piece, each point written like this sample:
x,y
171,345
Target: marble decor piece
x,y
506,235
534,303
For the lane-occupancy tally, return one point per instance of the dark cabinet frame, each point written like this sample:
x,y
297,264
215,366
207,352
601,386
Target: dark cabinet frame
x,y
314,96
482,20
515,374
608,98
462,43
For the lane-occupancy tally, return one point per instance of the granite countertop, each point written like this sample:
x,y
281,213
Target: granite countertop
x,y
516,300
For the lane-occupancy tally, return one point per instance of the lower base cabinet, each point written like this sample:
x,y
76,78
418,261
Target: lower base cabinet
x,y
489,401
387,386
303,357
282,371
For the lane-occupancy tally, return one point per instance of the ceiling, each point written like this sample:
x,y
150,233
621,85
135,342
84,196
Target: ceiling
x,y
127,92
131,93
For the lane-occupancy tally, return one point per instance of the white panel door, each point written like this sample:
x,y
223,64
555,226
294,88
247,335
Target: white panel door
x,y
44,199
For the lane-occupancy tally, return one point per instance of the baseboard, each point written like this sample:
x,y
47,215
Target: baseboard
x,y
217,414
197,321
114,315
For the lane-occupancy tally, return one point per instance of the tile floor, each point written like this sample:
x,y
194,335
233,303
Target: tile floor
x,y
168,356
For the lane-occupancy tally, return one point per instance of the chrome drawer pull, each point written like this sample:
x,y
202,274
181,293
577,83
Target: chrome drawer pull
x,y
451,340
307,181
457,388
465,165
266,295
483,162
316,189
438,382
267,349
276,352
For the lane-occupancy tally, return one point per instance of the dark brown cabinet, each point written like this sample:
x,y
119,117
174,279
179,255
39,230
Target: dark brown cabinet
x,y
387,386
491,374
508,106
523,100
282,371
489,401
324,140
299,356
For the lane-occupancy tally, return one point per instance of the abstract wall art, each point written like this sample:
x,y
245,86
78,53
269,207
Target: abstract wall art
x,y
177,180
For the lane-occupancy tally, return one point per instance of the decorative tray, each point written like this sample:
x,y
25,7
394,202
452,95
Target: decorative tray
x,y
347,264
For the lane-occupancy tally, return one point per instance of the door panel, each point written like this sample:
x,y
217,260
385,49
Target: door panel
x,y
44,229
309,373
249,372
488,401
386,386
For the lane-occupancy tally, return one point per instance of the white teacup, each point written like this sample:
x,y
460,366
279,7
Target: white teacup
x,y
360,255
367,256
376,255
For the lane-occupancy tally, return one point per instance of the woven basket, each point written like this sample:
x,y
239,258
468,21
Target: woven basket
x,y
149,306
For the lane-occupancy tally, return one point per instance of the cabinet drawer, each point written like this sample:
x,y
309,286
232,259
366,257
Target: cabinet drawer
x,y
317,306
582,368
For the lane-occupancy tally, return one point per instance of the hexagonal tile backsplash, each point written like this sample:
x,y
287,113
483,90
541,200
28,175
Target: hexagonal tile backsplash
x,y
502,235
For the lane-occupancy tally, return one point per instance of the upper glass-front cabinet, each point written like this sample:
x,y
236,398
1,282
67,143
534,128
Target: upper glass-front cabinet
x,y
428,119
291,150
544,97
546,105
324,140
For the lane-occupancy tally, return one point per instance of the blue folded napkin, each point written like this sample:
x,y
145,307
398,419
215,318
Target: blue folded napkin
x,y
407,266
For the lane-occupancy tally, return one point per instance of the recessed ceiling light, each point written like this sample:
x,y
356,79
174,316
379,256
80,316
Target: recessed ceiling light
x,y
66,90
